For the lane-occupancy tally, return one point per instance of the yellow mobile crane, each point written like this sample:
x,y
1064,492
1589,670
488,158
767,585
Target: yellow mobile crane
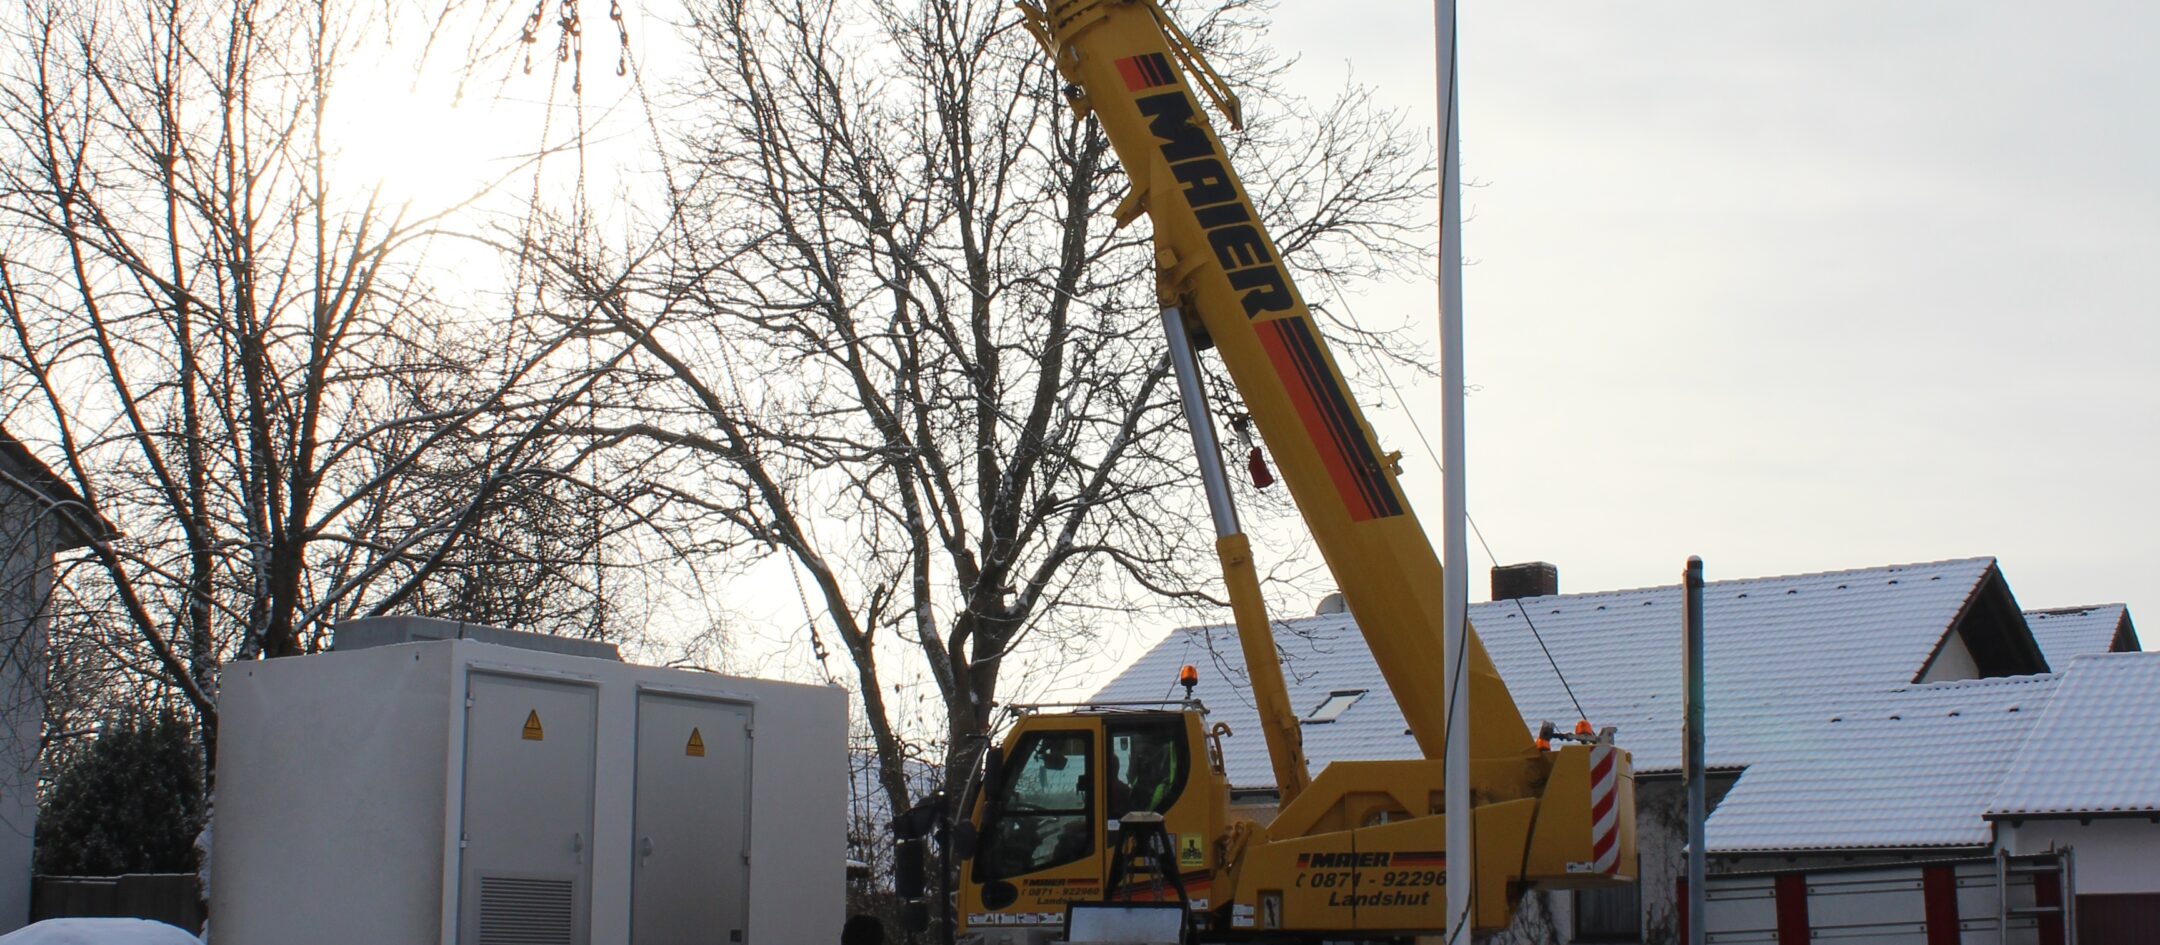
x,y
1356,852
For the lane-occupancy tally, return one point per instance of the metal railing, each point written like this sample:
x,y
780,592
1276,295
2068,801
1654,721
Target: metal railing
x,y
2027,899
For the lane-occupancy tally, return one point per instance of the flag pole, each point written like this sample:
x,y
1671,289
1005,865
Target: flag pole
x,y
1461,872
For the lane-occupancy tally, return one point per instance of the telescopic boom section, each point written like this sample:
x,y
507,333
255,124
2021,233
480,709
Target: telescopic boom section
x,y
1128,65
1278,723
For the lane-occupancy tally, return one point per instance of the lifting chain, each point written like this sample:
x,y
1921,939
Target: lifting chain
x,y
530,35
622,34
570,44
570,38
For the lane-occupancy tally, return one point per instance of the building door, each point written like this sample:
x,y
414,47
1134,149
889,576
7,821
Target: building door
x,y
2117,919
690,870
526,873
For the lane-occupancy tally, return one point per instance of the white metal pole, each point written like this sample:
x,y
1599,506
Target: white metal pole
x,y
1454,559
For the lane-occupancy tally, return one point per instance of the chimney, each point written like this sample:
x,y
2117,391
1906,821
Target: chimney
x,y
1530,579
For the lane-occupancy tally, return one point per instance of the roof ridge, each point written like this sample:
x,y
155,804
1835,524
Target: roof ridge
x,y
1274,622
2077,609
2081,657
1975,559
1347,618
1767,578
1978,682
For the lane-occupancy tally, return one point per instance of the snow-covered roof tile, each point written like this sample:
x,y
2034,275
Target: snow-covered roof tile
x,y
1912,767
1321,656
1776,648
2066,633
2095,749
1772,645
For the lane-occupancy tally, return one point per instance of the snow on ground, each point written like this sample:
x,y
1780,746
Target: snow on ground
x,y
99,932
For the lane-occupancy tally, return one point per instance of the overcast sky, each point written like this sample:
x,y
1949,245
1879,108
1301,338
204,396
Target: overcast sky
x,y
1797,287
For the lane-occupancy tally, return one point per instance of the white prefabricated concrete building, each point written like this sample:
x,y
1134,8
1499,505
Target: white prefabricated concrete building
x,y
450,790
1880,714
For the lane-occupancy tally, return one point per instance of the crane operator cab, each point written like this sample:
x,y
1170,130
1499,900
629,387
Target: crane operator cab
x,y
1124,808
1050,814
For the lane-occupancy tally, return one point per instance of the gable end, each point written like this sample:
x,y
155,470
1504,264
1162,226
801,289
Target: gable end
x,y
1991,632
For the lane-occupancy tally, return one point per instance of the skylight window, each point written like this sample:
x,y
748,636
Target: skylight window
x,y
1338,702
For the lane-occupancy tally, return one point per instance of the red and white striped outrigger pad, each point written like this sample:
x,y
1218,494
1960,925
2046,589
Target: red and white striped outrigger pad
x,y
1604,805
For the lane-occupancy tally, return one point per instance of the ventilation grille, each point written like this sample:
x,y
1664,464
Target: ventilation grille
x,y
525,911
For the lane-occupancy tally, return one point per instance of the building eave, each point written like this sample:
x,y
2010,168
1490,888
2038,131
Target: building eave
x,y
2016,817
1945,849
22,472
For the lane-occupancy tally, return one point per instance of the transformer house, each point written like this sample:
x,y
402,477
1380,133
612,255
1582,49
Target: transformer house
x,y
433,782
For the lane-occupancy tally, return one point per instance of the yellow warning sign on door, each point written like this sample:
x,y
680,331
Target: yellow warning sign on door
x,y
533,732
696,748
1190,852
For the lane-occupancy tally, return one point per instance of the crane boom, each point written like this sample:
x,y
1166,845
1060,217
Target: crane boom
x,y
1213,249
1075,804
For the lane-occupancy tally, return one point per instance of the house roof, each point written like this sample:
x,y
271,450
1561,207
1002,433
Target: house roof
x,y
1911,767
21,471
2065,633
2096,749
1812,687
1775,647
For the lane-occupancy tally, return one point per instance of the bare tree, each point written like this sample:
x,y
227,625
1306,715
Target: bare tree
x,y
891,320
239,360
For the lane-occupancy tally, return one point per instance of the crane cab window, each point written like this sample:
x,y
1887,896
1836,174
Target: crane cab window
x,y
1147,764
1041,815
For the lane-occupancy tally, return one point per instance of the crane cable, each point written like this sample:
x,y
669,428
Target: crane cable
x,y
1403,401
